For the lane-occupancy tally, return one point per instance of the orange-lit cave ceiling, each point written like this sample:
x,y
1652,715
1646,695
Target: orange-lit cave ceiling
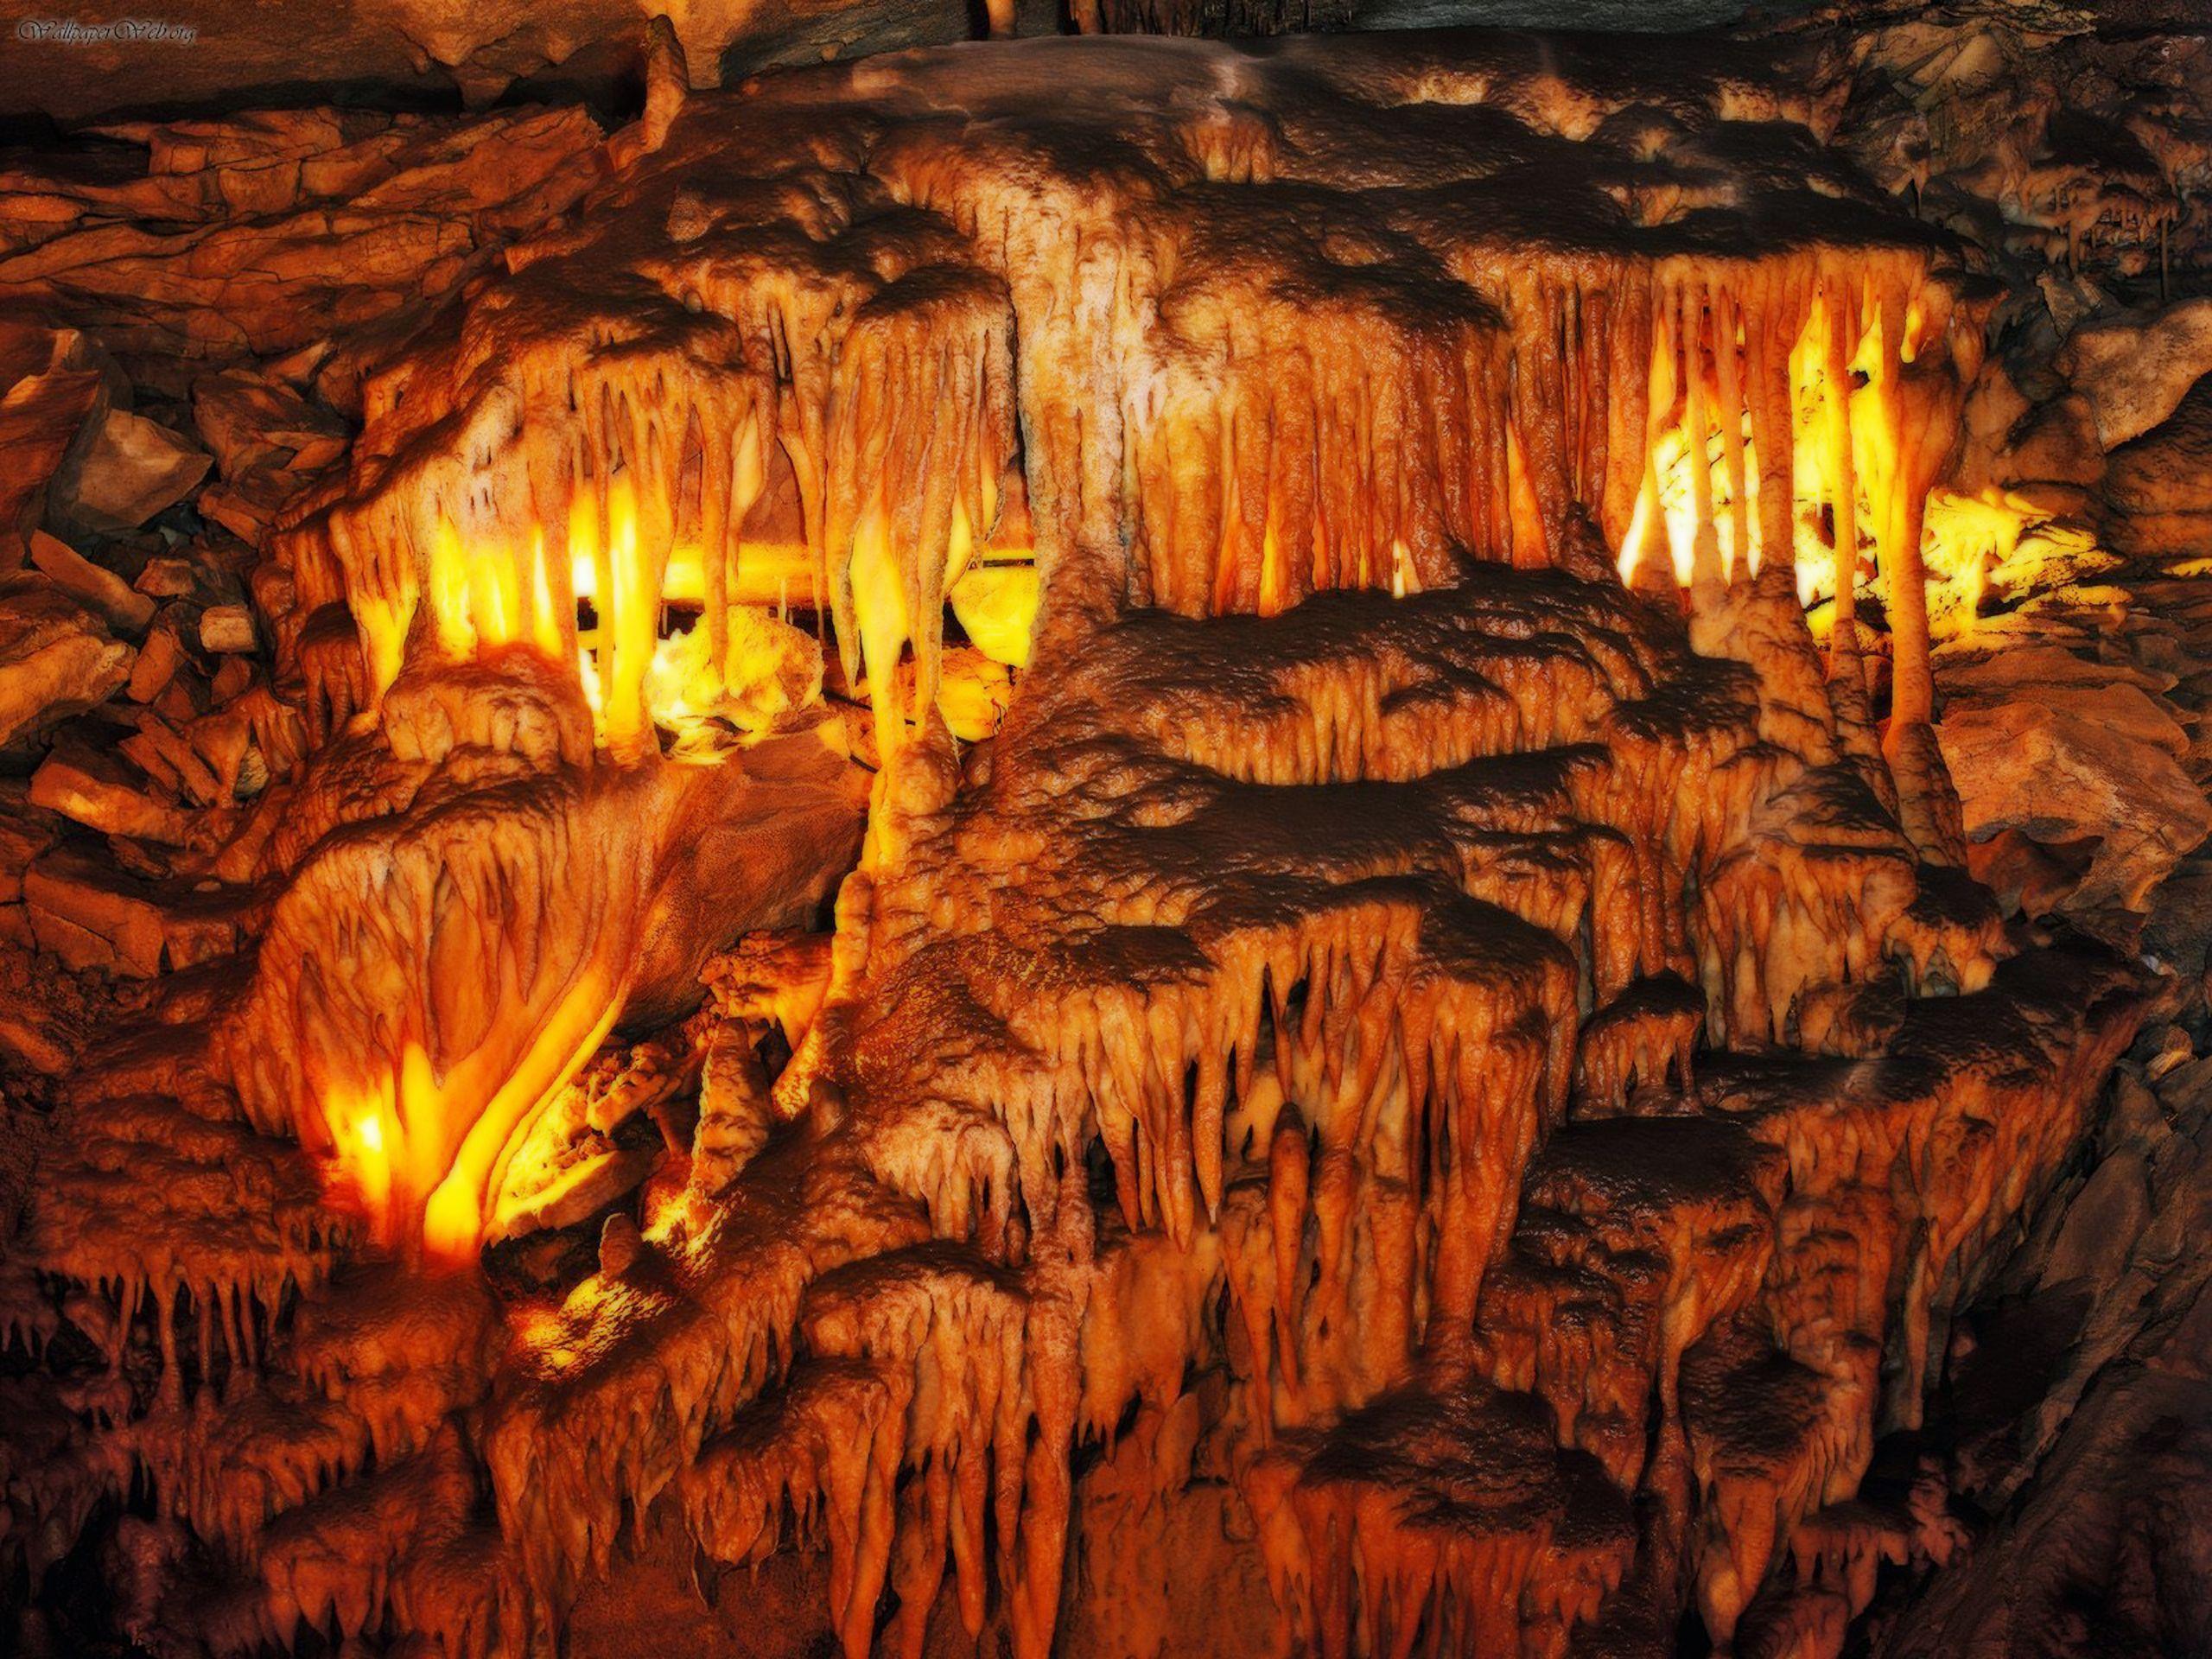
x,y
1086,846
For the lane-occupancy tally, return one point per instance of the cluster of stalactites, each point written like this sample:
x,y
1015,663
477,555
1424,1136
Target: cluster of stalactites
x,y
1444,1522
1799,411
922,425
569,481
1340,458
1259,463
1264,464
1269,458
1354,1225
139,1207
620,472
917,1364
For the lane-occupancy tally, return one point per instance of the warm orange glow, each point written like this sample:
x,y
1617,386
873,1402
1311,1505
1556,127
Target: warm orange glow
x,y
358,1143
384,636
1700,493
460,1207
424,1165
996,605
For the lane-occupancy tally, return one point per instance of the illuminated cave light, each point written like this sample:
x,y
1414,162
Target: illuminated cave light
x,y
640,633
1855,436
425,1173
639,668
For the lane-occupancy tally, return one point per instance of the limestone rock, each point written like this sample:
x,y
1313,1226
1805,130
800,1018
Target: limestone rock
x,y
126,470
91,915
2071,300
359,215
2056,773
2180,931
45,1017
99,789
249,420
2103,1224
226,629
2162,535
2055,443
269,443
88,925
2130,714
2135,371
582,1189
420,53
92,585
1994,407
736,1113
25,832
620,1246
165,578
49,386
157,664
2026,875
2100,1480
55,658
2029,665
2160,485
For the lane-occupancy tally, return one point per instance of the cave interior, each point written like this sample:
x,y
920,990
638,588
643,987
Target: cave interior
x,y
1176,829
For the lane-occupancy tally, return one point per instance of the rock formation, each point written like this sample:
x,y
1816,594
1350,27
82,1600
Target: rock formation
x,y
1115,846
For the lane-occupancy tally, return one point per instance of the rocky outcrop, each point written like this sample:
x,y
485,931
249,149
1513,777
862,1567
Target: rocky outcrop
x,y
2135,371
2068,751
265,234
56,658
2158,496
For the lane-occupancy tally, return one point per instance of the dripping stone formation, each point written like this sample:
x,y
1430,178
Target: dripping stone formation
x,y
1113,847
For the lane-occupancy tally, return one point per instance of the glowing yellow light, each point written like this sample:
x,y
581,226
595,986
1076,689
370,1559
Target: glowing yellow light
x,y
973,695
449,590
547,629
630,624
583,546
684,579
587,674
467,1162
423,1161
364,1162
996,605
495,597
382,625
879,608
1845,439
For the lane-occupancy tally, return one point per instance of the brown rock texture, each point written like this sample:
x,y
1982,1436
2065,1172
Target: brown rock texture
x,y
1121,847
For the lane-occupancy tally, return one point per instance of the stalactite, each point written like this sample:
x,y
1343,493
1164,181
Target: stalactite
x,y
1454,1523
922,424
